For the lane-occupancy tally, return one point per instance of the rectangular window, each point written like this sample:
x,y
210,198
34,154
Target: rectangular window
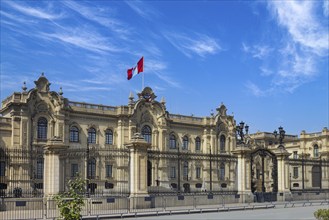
x,y
39,174
295,155
198,172
2,168
173,172
109,170
295,172
74,169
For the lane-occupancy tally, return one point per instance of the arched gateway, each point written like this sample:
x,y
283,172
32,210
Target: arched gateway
x,y
264,174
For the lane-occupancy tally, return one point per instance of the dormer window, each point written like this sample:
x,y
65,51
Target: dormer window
x,y
316,150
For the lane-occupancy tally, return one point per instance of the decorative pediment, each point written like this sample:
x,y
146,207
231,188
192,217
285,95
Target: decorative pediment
x,y
147,94
42,84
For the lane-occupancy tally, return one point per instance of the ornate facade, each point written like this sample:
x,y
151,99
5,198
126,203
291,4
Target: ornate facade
x,y
46,139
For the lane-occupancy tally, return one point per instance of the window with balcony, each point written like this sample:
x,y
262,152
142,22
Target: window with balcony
x,y
91,168
147,134
185,170
198,172
222,171
172,172
74,170
74,134
222,143
42,128
295,172
185,143
197,144
108,137
172,141
316,150
92,136
109,170
39,173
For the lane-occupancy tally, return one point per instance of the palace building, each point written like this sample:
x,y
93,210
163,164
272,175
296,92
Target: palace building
x,y
140,149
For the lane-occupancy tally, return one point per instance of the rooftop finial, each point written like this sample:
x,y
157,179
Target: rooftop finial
x,y
131,98
24,86
163,101
42,74
60,91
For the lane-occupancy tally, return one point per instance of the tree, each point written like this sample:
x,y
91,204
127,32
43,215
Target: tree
x,y
70,203
322,214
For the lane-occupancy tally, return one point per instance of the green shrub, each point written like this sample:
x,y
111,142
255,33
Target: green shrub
x,y
70,203
322,214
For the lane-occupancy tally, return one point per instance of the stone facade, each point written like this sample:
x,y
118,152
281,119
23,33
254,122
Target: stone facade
x,y
61,138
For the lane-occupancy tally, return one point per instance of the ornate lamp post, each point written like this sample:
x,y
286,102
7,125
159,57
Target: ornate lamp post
x,y
240,131
178,166
281,136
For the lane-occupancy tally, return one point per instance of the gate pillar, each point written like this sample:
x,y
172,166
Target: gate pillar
x,y
52,173
138,165
243,173
283,173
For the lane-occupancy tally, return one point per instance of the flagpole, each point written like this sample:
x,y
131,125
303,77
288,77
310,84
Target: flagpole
x,y
142,81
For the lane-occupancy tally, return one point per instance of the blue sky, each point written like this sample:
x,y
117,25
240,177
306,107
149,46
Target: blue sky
x,y
267,61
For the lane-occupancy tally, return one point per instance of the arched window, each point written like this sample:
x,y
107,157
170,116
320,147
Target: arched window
x,y
222,171
39,173
172,141
222,143
42,128
74,134
316,151
108,136
91,168
92,136
147,133
197,144
185,170
185,143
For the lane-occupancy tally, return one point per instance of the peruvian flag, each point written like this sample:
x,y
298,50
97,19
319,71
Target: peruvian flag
x,y
136,70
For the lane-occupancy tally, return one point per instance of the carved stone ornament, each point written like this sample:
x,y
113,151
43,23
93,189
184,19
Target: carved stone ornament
x,y
147,94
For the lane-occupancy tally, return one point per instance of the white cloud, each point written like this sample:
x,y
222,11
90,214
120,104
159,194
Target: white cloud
x,y
97,15
84,39
142,9
325,7
200,45
300,20
257,50
306,41
35,12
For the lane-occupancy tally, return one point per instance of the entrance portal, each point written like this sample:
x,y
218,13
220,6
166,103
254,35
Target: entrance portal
x,y
264,176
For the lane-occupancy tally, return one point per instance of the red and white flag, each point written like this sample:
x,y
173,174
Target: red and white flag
x,y
136,70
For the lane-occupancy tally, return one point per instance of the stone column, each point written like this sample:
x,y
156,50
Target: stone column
x,y
241,172
283,173
138,166
52,174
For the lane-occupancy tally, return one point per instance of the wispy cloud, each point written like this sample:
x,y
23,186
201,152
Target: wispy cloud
x,y
306,41
300,20
143,9
97,15
257,51
82,38
325,7
41,13
200,45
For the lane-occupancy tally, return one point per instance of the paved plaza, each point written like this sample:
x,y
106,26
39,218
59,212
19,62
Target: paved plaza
x,y
274,213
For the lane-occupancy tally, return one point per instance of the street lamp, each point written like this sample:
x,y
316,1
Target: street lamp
x,y
240,131
178,165
281,136
210,169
